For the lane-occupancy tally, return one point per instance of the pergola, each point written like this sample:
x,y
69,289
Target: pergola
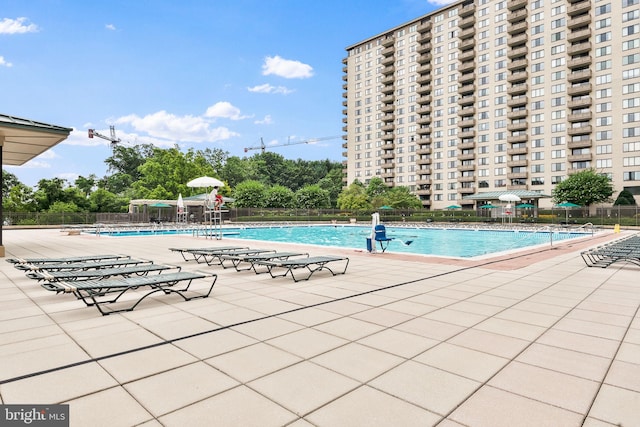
x,y
20,141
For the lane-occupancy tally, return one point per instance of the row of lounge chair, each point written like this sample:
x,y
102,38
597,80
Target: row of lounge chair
x,y
299,265
623,250
100,281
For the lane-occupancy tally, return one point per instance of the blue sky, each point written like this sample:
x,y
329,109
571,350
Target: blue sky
x,y
196,73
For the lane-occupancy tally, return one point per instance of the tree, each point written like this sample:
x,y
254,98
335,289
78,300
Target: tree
x,y
354,197
49,191
312,197
279,196
625,198
376,188
9,180
250,194
583,188
86,184
332,182
103,200
401,197
20,199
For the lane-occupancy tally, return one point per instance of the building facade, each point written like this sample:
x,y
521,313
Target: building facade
x,y
492,95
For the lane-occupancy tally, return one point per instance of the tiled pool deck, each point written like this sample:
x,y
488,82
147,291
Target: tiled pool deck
x,y
529,339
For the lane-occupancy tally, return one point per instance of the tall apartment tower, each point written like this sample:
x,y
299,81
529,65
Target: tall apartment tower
x,y
496,95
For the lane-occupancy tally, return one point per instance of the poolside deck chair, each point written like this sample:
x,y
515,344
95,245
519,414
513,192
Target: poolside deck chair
x,y
63,260
100,273
100,293
195,257
214,257
77,266
309,265
381,237
624,250
237,260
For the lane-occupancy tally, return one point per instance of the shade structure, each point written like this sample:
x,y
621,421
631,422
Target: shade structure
x,y
204,182
488,206
160,205
509,198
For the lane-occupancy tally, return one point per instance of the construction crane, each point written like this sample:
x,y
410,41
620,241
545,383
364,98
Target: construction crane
x,y
263,147
114,141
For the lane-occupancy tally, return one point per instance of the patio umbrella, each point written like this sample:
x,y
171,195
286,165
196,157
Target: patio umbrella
x,y
450,207
180,203
525,206
509,197
566,206
205,181
488,206
159,205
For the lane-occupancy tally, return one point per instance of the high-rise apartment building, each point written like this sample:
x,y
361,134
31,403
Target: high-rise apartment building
x,y
497,95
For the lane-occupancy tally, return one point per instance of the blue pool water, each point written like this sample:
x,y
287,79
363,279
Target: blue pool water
x,y
451,242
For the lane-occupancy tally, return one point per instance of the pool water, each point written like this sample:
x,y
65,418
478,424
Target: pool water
x,y
450,242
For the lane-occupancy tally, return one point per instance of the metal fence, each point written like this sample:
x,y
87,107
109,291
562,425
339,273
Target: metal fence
x,y
623,215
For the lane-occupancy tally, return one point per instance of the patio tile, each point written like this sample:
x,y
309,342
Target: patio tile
x,y
579,342
252,362
139,364
358,361
397,342
230,408
308,387
462,361
430,388
368,407
510,328
617,406
267,328
490,407
58,386
568,392
629,352
213,344
489,342
349,328
428,328
624,375
174,389
567,361
310,316
109,408
307,343
175,325
591,328
455,317
528,317
40,358
382,316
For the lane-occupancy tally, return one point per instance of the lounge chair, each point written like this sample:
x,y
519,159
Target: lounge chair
x,y
214,257
381,236
310,264
88,265
100,293
63,260
100,273
624,250
197,257
237,260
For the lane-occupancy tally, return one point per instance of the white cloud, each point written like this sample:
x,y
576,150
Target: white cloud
x,y
286,68
4,63
17,26
224,110
69,176
168,126
35,164
441,2
267,88
110,27
266,121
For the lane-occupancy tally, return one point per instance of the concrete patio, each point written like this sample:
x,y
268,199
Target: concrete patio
x,y
528,339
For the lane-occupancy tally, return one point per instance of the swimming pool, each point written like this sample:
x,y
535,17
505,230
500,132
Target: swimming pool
x,y
449,242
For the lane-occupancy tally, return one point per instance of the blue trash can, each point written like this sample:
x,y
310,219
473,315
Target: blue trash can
x,y
369,245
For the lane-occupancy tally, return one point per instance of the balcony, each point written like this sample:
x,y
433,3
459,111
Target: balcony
x,y
425,109
467,66
583,102
387,165
578,21
466,111
388,80
423,130
424,69
424,140
467,22
467,145
517,114
467,134
424,58
579,8
388,175
389,99
390,69
517,101
424,89
345,145
388,128
387,60
517,163
386,137
388,108
579,62
578,36
388,117
388,51
517,175
466,168
579,117
468,156
465,78
518,28
516,4
516,127
580,157
424,48
424,161
517,151
423,151
517,40
582,130
426,120
387,155
387,89
467,44
388,146
465,89
517,52
387,41
467,10
582,143
513,187
518,89
421,182
467,100
470,122
578,76
579,89
517,139
425,27
466,190
425,99
518,71
467,33
578,48
467,55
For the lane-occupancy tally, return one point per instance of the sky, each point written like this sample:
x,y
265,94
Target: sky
x,y
219,74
